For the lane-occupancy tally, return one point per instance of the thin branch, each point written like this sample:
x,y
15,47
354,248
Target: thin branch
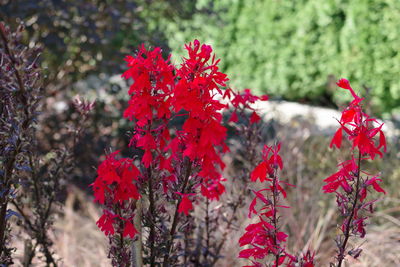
x,y
152,216
342,251
176,214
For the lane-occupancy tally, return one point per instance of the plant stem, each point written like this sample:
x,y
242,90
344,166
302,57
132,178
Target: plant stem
x,y
5,183
176,214
152,216
137,244
342,250
274,219
207,230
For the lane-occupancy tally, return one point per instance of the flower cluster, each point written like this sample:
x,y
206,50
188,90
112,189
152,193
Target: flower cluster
x,y
362,132
359,127
161,93
114,187
178,125
177,115
199,82
264,236
241,102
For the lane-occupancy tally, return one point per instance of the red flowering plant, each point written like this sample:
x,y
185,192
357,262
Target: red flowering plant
x,y
350,183
219,220
115,188
179,166
264,239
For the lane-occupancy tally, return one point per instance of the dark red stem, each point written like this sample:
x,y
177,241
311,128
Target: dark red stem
x,y
274,218
176,214
342,249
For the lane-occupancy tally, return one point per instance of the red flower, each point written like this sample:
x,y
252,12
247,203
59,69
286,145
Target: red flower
x,y
114,185
308,259
129,229
337,139
373,181
345,84
254,117
186,205
359,127
234,117
105,223
260,172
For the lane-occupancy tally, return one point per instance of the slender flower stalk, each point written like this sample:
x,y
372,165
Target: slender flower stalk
x,y
362,132
264,237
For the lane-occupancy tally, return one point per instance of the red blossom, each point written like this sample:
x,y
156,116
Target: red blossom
x,y
185,205
234,117
114,185
374,182
264,237
189,155
360,128
260,172
254,117
105,223
337,139
129,229
362,132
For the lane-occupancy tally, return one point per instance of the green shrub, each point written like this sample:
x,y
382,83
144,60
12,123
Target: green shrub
x,y
297,49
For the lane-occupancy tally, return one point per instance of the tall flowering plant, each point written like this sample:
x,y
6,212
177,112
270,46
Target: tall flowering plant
x,y
264,239
179,166
351,183
264,236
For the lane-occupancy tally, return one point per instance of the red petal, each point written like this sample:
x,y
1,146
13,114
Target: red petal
x,y
382,141
129,230
147,158
234,117
337,138
259,172
254,118
186,205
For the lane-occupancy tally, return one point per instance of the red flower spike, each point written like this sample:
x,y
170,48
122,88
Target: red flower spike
x,y
264,237
361,131
159,93
114,185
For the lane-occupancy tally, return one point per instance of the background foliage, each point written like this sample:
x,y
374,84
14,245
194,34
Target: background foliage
x,y
290,49
296,49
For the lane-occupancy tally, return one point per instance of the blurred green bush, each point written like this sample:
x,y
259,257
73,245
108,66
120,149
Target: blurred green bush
x,y
297,49
289,49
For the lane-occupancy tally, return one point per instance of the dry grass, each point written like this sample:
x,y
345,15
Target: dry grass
x,y
77,240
